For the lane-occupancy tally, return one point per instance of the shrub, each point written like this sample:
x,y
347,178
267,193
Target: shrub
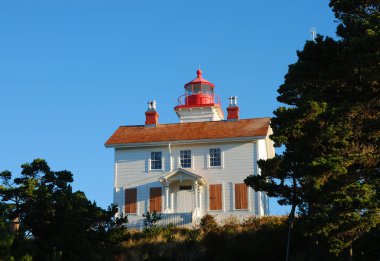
x,y
169,233
150,224
193,236
208,223
231,225
151,219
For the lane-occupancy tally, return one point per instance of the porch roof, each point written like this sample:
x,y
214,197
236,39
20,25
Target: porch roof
x,y
182,174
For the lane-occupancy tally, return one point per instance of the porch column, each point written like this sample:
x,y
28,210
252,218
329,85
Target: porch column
x,y
200,197
167,196
167,206
196,193
197,212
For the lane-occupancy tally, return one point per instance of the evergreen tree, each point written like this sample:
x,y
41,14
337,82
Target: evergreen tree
x,y
56,222
330,129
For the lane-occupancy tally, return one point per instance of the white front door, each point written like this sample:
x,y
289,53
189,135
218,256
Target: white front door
x,y
184,199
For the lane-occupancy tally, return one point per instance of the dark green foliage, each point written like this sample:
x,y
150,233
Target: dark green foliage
x,y
330,128
150,224
55,222
264,239
169,233
368,247
151,219
6,240
193,237
261,238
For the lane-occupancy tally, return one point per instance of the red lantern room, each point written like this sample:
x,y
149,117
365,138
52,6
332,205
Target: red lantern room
x,y
199,103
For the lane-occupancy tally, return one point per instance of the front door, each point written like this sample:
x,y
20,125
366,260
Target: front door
x,y
184,199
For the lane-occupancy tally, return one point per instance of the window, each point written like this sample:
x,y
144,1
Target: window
x,y
155,199
196,88
130,201
241,196
206,89
215,158
156,160
185,158
215,197
185,187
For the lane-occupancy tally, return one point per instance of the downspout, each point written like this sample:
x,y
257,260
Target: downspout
x,y
167,194
170,157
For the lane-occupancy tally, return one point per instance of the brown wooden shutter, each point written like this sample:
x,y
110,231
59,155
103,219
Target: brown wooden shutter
x,y
130,201
241,196
216,197
155,199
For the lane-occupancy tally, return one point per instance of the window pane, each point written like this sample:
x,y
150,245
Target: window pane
x,y
156,160
189,88
185,158
196,88
215,158
206,88
185,187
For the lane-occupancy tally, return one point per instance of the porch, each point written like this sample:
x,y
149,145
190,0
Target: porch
x,y
183,191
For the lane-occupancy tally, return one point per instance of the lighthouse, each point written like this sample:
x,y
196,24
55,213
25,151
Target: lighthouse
x,y
199,103
193,167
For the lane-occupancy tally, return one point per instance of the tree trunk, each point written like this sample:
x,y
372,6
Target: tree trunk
x,y
291,216
350,253
316,251
291,224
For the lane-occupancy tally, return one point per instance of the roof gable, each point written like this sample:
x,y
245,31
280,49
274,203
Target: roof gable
x,y
181,174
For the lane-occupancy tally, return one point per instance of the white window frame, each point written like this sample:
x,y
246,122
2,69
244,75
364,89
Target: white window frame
x,y
150,161
223,197
221,159
191,158
248,197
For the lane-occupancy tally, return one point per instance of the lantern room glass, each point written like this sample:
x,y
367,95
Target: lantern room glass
x,y
199,88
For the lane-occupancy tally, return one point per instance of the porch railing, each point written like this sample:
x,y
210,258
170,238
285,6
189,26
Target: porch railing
x,y
176,219
183,220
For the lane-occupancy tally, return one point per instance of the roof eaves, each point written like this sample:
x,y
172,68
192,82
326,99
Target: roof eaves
x,y
164,143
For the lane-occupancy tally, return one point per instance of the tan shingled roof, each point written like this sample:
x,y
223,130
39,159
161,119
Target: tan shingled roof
x,y
190,131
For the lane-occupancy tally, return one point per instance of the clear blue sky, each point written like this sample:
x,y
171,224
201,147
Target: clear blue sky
x,y
72,71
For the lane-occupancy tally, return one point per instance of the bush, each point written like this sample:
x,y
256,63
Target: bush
x,y
150,224
151,219
231,225
208,223
169,233
193,236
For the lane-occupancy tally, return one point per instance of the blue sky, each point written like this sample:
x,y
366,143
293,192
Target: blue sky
x,y
71,71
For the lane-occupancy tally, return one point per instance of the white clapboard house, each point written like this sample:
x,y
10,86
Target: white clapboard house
x,y
193,167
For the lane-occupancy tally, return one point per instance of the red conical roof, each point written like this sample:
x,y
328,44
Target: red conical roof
x,y
199,80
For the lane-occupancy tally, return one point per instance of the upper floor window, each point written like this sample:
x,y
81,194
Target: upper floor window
x,y
215,158
156,160
185,158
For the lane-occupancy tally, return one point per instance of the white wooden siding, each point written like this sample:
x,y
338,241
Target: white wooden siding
x,y
238,162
